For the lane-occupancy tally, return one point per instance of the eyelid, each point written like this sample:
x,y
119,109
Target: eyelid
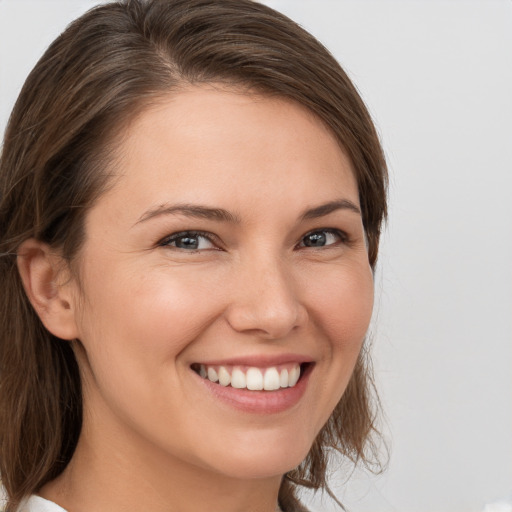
x,y
165,242
214,239
343,235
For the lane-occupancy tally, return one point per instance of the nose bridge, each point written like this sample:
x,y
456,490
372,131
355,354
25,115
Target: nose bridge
x,y
266,299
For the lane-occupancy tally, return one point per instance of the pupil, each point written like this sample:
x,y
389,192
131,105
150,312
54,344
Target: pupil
x,y
187,242
315,240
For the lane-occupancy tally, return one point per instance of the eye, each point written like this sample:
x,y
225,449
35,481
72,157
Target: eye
x,y
189,240
323,238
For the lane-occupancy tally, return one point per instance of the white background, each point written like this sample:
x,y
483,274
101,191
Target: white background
x,y
437,76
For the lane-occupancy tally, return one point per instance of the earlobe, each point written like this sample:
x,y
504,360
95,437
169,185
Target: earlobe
x,y
42,273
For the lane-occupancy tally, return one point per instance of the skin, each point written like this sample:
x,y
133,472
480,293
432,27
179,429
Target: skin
x,y
145,310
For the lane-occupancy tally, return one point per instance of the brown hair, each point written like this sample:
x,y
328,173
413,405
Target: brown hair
x,y
107,66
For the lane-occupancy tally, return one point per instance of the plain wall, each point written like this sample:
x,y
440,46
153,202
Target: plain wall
x,y
437,76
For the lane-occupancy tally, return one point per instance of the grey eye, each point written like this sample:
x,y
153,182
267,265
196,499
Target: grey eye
x,y
321,238
189,240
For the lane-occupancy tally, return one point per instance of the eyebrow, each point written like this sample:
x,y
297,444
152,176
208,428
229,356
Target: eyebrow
x,y
219,214
191,210
332,206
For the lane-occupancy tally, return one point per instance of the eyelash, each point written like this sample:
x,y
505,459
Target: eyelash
x,y
167,241
343,237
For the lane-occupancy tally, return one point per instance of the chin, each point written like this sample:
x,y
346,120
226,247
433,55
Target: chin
x,y
262,469
258,458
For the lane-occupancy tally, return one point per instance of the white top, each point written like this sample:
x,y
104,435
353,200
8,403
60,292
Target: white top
x,y
38,504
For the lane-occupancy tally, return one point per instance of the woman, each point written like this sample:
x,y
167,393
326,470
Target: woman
x,y
191,200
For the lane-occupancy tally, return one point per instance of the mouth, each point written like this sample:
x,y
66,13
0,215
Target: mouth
x,y
254,378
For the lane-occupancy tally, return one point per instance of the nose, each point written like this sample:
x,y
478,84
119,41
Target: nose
x,y
265,301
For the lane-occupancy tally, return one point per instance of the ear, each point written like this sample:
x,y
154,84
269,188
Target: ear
x,y
46,279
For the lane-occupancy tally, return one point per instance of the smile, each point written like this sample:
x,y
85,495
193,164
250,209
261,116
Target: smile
x,y
256,385
250,377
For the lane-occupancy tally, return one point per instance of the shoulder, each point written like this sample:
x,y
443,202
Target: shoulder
x,y
38,504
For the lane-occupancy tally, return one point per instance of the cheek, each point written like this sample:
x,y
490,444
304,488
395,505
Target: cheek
x,y
178,302
341,300
142,320
134,327
161,304
340,306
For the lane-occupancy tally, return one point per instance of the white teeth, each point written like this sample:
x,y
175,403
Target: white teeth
x,y
283,378
293,376
254,379
238,379
271,380
212,375
224,377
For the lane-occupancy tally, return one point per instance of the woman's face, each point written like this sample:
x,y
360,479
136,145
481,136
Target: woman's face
x,y
231,247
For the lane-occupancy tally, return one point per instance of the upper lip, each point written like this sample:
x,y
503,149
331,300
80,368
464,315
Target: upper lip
x,y
259,360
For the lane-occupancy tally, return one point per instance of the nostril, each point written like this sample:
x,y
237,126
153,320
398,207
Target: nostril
x,y
269,309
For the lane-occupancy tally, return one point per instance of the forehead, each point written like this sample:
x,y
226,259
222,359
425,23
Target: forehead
x,y
212,143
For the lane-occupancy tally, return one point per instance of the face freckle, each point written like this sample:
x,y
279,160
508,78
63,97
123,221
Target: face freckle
x,y
195,260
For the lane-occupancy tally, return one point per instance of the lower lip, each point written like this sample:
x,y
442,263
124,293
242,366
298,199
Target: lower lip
x,y
260,402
